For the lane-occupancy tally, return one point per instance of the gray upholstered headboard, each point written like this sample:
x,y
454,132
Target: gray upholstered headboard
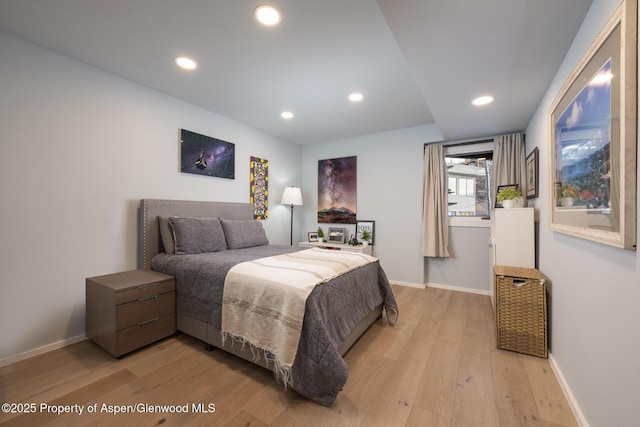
x,y
149,242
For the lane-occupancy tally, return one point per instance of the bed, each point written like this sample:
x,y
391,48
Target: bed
x,y
336,313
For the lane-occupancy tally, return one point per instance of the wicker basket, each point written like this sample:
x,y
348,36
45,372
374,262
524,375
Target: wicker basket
x,y
521,309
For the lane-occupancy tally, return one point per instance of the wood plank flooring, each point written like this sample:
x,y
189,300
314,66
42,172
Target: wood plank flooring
x,y
438,366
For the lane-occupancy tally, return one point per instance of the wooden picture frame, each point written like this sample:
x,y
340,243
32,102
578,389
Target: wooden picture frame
x,y
336,235
593,146
531,165
312,236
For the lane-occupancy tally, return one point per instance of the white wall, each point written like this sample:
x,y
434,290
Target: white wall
x,y
595,296
467,269
79,148
389,193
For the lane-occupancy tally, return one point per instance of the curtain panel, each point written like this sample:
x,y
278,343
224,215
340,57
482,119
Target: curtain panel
x,y
509,162
435,215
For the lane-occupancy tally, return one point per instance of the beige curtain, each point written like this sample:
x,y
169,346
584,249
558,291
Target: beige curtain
x,y
509,163
435,224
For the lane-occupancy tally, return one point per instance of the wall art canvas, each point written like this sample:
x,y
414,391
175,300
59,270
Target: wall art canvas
x,y
337,190
204,155
593,139
259,187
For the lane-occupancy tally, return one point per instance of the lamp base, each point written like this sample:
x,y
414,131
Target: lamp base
x,y
291,232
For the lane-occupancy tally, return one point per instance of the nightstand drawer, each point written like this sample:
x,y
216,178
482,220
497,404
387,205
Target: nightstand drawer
x,y
144,308
144,333
145,290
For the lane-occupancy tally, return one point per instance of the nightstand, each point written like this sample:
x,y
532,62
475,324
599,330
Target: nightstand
x,y
128,310
338,246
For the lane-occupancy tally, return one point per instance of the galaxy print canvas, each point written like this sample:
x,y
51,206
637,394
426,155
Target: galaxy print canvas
x,y
204,155
337,190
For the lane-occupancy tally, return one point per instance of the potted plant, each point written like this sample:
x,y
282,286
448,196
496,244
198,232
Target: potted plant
x,y
365,237
321,234
566,194
510,197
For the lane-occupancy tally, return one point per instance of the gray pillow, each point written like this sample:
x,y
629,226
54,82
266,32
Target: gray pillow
x,y
243,233
166,235
197,235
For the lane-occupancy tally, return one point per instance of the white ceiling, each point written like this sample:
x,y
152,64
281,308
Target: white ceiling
x,y
416,61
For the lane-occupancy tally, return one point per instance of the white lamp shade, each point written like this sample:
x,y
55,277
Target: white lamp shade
x,y
291,196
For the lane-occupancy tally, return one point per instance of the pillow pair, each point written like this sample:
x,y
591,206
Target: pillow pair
x,y
197,235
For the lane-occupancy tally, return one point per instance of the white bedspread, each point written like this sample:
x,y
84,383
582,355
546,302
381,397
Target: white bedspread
x,y
264,300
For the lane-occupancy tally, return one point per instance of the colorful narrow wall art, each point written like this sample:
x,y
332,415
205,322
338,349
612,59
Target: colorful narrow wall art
x,y
259,187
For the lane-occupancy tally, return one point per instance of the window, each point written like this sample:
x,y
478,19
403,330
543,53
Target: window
x,y
469,178
466,186
461,186
453,186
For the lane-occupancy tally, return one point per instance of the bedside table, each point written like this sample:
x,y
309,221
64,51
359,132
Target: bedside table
x,y
337,246
126,311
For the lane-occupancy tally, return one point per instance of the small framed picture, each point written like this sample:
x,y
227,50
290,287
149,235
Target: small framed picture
x,y
364,229
312,236
532,174
337,235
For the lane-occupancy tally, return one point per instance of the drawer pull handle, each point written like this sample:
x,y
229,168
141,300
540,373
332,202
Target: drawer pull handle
x,y
148,322
147,300
147,287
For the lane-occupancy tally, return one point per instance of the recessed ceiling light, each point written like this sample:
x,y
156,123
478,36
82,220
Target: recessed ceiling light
x,y
186,63
356,97
267,15
483,100
287,115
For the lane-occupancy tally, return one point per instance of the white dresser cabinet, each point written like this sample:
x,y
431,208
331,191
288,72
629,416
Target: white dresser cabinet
x,y
512,241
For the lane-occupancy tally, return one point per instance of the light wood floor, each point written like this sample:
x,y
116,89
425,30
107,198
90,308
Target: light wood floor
x,y
437,367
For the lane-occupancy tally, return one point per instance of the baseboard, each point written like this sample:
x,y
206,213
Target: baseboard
x,y
457,288
577,412
408,284
40,350
438,285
